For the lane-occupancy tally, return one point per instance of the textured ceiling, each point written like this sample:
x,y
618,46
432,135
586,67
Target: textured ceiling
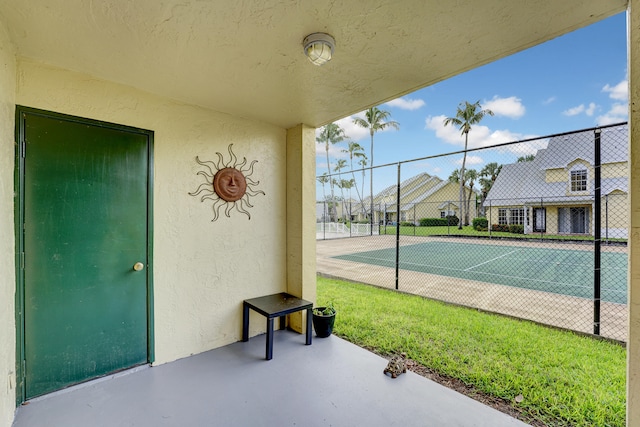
x,y
244,57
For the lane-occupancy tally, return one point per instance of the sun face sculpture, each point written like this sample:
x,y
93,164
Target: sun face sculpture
x,y
227,184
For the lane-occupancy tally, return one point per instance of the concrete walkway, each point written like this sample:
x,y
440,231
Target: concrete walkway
x,y
330,383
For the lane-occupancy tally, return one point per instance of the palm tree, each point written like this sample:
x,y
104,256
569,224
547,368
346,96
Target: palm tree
x,y
348,184
375,120
338,201
329,135
467,115
363,162
341,164
355,150
527,158
488,176
455,178
323,179
470,177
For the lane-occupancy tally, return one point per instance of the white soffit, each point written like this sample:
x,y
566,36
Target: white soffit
x,y
245,58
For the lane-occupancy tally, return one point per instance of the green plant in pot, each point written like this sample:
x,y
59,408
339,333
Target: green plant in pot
x,y
323,319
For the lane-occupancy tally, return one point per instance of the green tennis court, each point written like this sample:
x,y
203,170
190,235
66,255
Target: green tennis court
x,y
560,271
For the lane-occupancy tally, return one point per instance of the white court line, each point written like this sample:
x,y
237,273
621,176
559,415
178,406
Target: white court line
x,y
491,260
575,264
569,285
563,263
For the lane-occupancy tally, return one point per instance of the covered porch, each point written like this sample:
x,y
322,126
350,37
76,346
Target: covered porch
x,y
215,83
330,383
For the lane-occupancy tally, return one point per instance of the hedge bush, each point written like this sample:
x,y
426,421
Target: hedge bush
x,y
453,220
432,222
480,223
516,229
407,224
439,222
508,228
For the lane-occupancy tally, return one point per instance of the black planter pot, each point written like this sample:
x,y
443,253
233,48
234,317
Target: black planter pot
x,y
323,325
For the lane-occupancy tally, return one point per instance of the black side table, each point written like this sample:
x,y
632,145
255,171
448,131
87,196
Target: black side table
x,y
272,306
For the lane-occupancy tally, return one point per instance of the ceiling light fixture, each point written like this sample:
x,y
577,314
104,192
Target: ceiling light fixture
x,y
319,48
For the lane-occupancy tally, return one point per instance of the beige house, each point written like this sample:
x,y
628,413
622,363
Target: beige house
x,y
554,193
119,98
421,196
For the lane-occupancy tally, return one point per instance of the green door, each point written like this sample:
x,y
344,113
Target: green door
x,y
86,186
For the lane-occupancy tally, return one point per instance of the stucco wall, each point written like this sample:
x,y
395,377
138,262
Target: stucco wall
x,y
615,170
202,269
633,341
431,207
7,246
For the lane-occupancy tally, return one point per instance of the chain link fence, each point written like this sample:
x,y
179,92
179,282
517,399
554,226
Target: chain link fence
x,y
533,229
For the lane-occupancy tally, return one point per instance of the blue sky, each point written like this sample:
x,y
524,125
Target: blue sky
x,y
573,82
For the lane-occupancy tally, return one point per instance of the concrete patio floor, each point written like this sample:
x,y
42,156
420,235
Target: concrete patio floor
x,y
330,383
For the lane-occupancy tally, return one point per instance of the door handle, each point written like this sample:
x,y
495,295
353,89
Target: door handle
x,y
138,266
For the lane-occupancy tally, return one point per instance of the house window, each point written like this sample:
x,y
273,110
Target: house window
x,y
573,220
502,216
579,180
444,214
516,216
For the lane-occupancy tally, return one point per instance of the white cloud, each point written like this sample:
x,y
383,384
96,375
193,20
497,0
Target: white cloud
x,y
352,132
406,103
355,132
618,113
619,92
574,111
482,136
510,107
587,110
526,148
479,136
549,100
335,152
424,166
471,161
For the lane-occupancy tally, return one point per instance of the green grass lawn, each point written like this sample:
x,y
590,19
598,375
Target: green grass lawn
x,y
561,378
469,231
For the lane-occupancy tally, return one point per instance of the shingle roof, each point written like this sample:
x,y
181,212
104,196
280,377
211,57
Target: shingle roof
x,y
563,150
414,195
524,183
426,194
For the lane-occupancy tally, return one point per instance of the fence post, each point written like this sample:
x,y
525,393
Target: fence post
x,y
447,217
350,216
597,234
324,219
398,230
490,221
384,218
414,219
606,218
371,190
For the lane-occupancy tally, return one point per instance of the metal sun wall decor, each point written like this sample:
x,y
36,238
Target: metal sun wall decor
x,y
227,184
